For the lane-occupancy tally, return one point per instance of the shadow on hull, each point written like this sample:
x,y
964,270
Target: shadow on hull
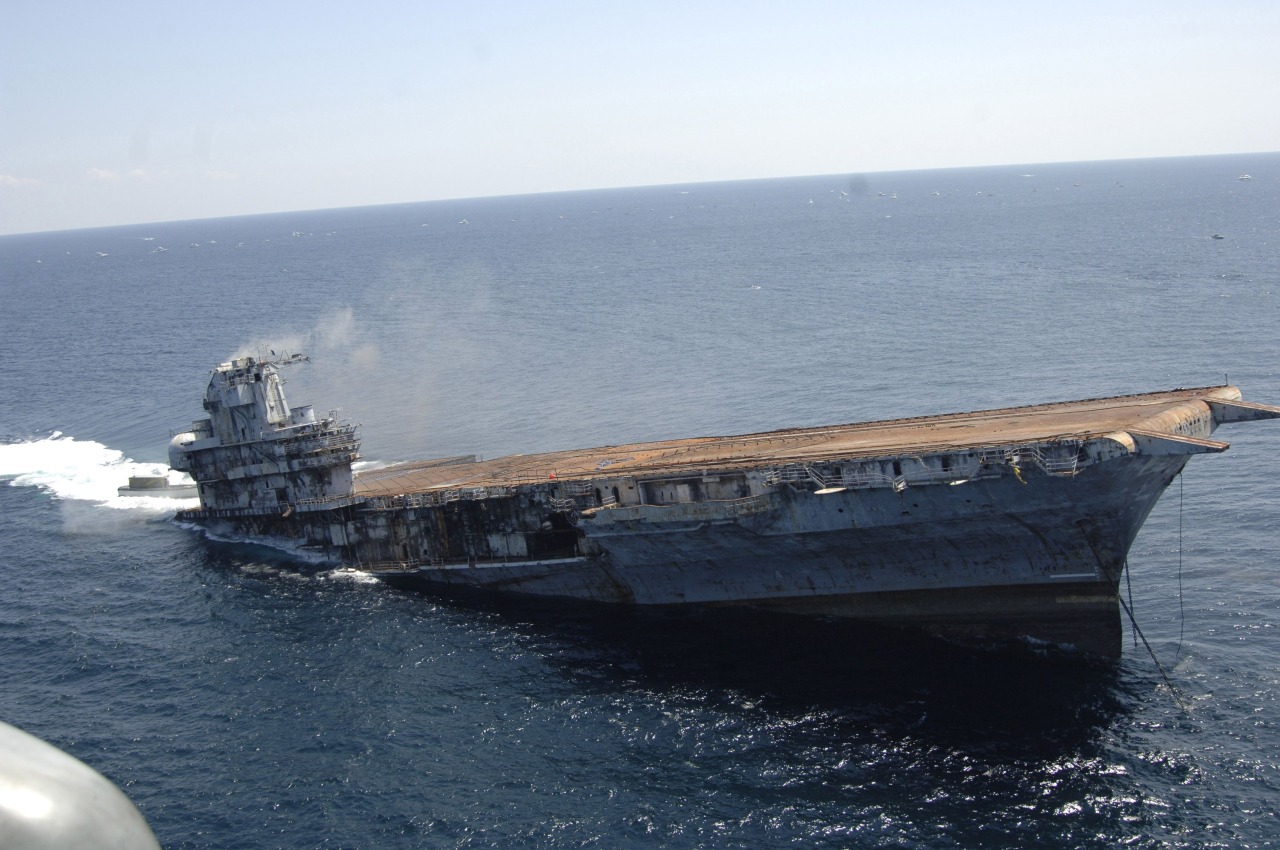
x,y
1071,620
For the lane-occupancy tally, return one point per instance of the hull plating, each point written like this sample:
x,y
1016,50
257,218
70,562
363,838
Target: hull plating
x,y
946,559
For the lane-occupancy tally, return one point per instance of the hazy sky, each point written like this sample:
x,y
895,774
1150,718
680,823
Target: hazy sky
x,y
114,113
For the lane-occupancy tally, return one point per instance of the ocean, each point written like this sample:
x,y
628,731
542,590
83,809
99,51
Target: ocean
x,y
242,698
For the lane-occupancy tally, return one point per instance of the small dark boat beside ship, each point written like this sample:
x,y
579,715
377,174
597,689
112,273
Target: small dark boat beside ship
x,y
158,487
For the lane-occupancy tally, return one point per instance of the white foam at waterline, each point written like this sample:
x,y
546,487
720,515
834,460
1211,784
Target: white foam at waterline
x,y
85,470
288,547
352,575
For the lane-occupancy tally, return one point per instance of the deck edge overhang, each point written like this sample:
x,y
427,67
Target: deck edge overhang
x,y
1235,410
1158,444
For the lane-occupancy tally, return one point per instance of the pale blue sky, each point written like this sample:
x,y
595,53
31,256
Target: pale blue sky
x,y
115,113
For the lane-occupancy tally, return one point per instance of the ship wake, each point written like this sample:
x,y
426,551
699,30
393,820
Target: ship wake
x,y
86,471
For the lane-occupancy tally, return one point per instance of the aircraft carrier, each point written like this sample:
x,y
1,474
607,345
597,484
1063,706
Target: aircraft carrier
x,y
984,526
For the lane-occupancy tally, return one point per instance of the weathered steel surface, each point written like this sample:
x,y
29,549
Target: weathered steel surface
x,y
995,523
1185,412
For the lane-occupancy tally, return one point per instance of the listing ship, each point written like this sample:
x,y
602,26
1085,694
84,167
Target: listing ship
x,y
985,526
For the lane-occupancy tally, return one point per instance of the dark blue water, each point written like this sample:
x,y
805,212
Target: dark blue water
x,y
243,701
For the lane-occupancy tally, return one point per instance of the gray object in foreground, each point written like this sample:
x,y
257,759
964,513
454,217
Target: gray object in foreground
x,y
49,799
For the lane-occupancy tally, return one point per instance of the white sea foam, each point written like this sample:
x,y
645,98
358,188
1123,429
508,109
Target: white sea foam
x,y
350,574
280,544
84,470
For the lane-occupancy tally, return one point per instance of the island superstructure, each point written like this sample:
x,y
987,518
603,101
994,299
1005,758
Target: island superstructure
x,y
987,525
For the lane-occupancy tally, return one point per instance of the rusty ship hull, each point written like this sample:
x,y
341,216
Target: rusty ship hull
x,y
948,559
993,525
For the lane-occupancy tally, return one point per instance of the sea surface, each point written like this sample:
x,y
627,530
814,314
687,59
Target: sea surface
x,y
242,699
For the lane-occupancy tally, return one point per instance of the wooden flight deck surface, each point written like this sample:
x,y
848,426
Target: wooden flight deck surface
x,y
1035,423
